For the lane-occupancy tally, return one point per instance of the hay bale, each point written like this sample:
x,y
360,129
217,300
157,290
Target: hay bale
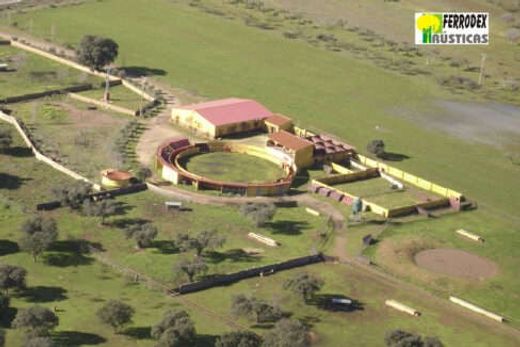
x,y
403,308
469,235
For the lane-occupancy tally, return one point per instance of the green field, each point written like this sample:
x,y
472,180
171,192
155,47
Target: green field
x,y
329,91
233,167
82,139
78,285
34,74
119,96
379,191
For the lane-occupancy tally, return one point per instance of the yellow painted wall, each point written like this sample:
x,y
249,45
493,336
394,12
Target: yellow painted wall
x,y
108,183
303,158
409,178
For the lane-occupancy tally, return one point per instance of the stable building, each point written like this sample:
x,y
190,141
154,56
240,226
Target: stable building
x,y
300,149
220,118
278,122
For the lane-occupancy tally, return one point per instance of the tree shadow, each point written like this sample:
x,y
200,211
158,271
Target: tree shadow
x,y
139,333
394,156
7,316
41,294
75,246
309,321
204,340
234,255
8,247
166,247
66,259
19,152
76,338
264,326
287,227
122,208
123,223
11,182
324,302
142,71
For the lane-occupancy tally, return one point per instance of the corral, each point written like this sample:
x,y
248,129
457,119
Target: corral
x,y
381,191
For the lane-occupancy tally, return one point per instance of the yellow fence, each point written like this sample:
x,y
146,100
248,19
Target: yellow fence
x,y
367,205
341,169
409,178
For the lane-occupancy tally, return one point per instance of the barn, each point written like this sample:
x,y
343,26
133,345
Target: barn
x,y
220,118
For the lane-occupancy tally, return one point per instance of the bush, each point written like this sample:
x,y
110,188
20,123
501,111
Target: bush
x,y
376,147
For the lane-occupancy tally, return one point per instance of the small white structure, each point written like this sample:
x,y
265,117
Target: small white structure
x,y
341,301
3,67
469,235
177,205
477,309
313,212
264,239
403,308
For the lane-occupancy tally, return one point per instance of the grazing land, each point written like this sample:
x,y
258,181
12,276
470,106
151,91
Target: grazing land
x,y
352,85
82,139
30,73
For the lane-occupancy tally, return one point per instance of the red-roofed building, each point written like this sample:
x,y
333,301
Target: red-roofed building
x,y
300,149
278,122
220,118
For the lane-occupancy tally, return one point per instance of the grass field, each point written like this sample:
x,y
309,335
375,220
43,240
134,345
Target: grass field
x,y
233,167
352,99
379,191
35,74
79,286
119,96
361,22
82,139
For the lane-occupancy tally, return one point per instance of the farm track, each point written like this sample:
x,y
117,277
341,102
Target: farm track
x,y
372,272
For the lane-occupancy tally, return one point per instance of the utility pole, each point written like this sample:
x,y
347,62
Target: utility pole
x,y
481,75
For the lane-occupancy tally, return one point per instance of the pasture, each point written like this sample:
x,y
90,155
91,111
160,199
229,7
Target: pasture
x,y
324,90
81,138
29,73
77,285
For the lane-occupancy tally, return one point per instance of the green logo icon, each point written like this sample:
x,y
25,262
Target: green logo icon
x,y
429,24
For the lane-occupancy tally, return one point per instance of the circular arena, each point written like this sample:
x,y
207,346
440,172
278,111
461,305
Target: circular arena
x,y
227,167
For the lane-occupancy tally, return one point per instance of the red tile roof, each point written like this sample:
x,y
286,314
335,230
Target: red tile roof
x,y
116,175
230,111
290,141
278,119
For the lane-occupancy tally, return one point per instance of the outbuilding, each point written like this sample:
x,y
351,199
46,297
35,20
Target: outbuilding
x,y
220,118
278,122
300,149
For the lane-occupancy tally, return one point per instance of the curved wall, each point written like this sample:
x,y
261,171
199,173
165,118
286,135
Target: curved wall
x,y
169,156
